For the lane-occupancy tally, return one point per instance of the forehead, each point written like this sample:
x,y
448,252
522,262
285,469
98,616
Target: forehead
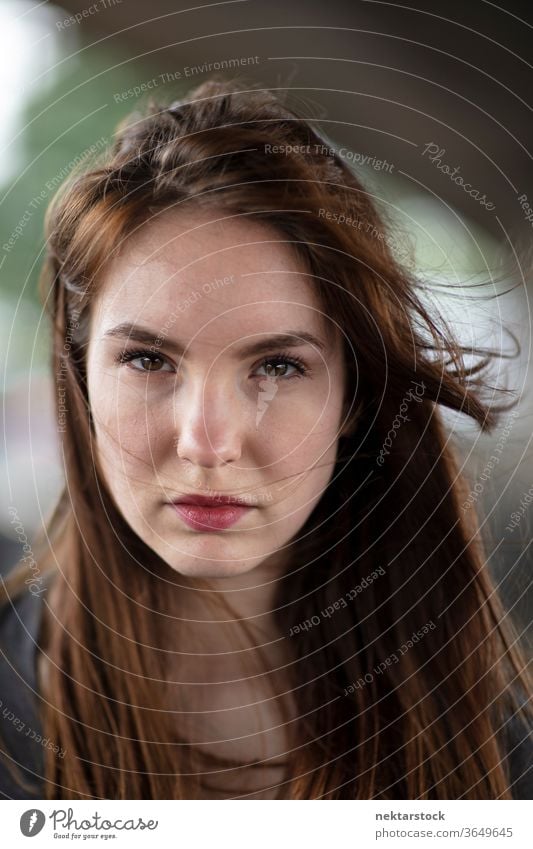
x,y
213,274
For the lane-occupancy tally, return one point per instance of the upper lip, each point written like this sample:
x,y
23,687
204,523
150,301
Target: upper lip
x,y
209,500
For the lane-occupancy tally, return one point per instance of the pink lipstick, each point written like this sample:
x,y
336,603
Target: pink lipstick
x,y
208,513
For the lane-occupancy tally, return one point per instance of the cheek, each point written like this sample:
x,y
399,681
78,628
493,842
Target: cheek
x,y
303,426
131,434
300,452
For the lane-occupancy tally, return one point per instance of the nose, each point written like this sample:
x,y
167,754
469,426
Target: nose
x,y
208,424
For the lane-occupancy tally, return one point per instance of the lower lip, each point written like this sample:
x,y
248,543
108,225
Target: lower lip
x,y
209,519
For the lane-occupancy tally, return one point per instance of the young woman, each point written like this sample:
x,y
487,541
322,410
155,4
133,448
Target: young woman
x,y
259,581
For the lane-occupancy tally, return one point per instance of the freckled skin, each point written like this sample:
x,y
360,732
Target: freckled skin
x,y
193,424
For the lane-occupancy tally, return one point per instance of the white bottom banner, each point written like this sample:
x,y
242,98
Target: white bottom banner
x,y
269,824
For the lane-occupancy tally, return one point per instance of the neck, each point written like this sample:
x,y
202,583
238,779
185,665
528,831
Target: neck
x,y
225,614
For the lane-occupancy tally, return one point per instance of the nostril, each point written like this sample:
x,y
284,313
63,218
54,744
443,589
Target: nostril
x,y
204,452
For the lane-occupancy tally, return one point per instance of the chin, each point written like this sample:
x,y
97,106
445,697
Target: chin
x,y
220,570
210,556
210,569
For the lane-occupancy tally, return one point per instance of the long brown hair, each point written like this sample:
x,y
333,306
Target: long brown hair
x,y
404,667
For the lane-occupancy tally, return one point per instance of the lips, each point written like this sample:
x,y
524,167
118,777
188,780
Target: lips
x,y
209,500
210,518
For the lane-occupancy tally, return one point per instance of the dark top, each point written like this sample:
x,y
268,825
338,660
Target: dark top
x,y
20,728
19,705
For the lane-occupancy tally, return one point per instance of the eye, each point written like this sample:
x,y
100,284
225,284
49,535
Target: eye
x,y
149,361
273,364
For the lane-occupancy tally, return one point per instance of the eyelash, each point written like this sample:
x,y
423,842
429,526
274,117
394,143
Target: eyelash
x,y
278,359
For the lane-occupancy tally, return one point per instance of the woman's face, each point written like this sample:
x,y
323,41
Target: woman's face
x,y
203,411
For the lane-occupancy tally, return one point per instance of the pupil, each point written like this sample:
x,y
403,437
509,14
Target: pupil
x,y
149,364
272,369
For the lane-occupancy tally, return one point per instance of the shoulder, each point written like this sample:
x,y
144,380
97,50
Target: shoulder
x,y
20,731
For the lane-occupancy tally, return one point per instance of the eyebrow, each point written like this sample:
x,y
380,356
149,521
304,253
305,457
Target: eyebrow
x,y
288,339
